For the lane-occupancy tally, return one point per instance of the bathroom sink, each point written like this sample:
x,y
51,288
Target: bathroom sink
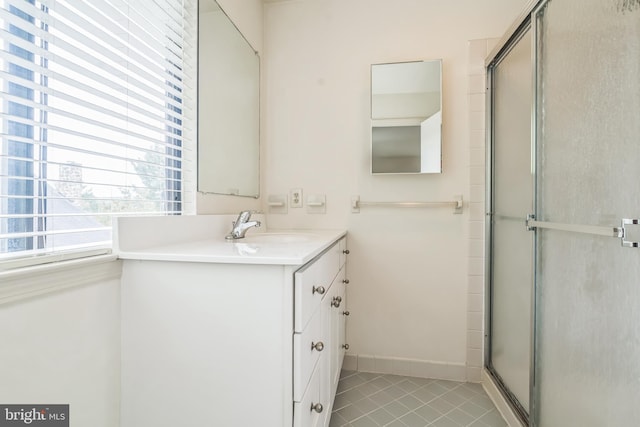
x,y
271,238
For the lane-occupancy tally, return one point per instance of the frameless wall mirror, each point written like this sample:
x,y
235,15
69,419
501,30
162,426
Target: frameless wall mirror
x,y
228,106
406,117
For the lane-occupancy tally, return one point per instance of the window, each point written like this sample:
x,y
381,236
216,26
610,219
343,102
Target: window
x,y
96,97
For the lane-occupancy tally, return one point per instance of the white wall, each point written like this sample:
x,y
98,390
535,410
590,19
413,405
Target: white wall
x,y
247,16
64,348
408,268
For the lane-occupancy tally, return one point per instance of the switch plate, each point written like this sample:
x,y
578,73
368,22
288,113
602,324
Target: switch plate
x,y
295,197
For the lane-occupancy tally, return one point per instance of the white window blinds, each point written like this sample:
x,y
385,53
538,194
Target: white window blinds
x,y
96,96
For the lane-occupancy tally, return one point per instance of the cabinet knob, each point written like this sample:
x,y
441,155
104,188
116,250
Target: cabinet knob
x,y
345,346
346,252
319,289
318,346
335,302
346,313
317,407
345,281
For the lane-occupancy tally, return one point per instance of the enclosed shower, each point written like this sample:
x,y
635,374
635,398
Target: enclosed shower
x,y
563,265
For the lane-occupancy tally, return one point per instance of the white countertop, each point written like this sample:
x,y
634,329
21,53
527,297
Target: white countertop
x,y
275,247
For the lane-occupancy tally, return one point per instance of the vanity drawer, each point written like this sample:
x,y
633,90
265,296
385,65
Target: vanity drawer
x,y
308,346
309,411
312,282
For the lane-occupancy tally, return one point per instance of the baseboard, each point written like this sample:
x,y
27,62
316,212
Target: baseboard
x,y
408,367
501,404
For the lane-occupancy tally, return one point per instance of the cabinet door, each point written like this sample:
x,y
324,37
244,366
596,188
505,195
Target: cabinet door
x,y
333,308
338,329
311,411
312,282
325,363
309,290
308,348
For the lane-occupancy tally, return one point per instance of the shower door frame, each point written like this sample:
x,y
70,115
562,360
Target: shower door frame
x,y
527,21
533,20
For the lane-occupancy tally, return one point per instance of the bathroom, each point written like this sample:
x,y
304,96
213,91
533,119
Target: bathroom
x,y
416,292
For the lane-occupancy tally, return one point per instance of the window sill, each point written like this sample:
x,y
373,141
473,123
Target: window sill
x,y
26,282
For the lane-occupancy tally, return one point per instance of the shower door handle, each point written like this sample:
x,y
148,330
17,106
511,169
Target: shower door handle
x,y
620,232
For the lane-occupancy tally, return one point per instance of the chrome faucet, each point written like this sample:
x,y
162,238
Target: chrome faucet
x,y
241,225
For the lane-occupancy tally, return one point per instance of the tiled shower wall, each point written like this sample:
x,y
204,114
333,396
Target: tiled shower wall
x,y
478,51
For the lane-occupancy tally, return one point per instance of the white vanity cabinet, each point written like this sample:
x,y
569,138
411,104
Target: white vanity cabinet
x,y
319,336
230,344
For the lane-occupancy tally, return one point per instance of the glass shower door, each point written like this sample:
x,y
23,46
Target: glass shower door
x,y
587,363
511,268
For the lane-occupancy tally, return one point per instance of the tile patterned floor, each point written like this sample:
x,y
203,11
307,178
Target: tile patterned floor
x,y
373,400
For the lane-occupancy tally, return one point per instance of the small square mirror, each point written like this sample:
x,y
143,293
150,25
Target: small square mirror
x,y
406,117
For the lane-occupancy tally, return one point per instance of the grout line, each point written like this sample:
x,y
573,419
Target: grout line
x,y
470,392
